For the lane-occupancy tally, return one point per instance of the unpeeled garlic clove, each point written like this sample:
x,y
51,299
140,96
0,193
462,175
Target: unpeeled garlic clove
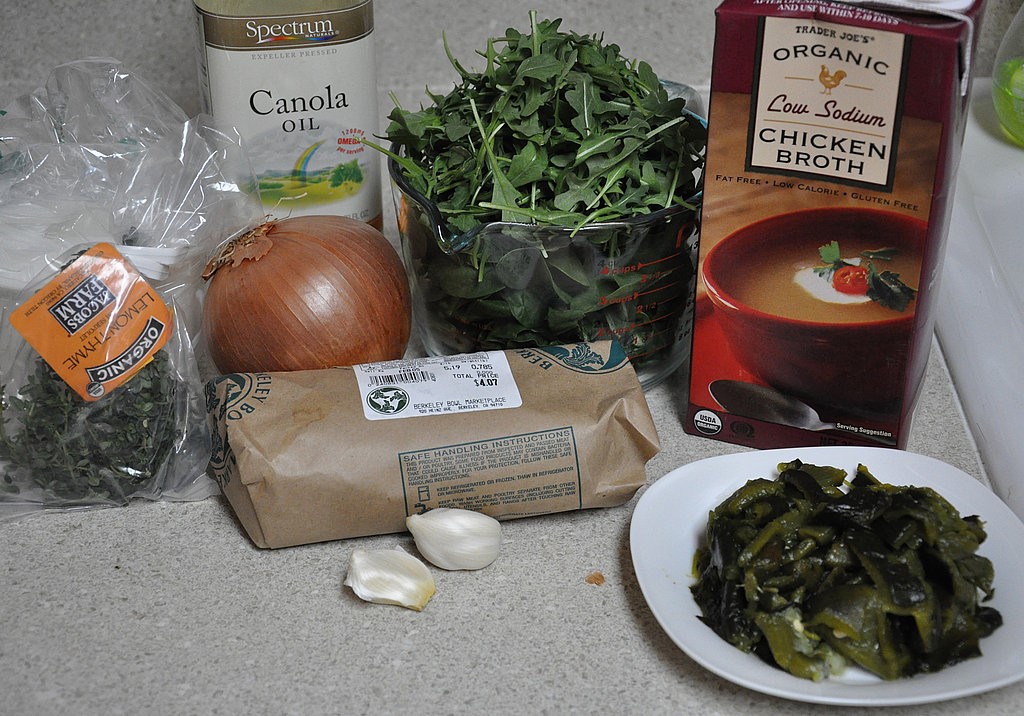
x,y
390,576
452,538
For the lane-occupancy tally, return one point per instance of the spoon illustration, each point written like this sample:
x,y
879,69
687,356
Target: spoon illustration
x,y
763,403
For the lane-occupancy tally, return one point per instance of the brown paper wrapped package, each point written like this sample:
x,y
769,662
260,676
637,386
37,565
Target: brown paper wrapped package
x,y
301,460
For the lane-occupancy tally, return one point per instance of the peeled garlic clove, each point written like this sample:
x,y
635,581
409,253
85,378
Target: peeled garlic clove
x,y
390,576
452,538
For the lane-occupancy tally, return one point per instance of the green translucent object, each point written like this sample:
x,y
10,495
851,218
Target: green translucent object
x,y
1008,80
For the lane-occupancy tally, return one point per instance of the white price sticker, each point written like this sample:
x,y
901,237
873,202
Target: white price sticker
x,y
437,385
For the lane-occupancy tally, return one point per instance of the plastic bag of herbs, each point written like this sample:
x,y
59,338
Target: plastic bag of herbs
x,y
111,201
144,438
524,195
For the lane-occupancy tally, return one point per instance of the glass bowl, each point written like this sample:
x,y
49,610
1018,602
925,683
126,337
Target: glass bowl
x,y
505,285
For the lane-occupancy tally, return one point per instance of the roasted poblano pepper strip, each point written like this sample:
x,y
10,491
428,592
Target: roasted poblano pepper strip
x,y
796,649
811,571
851,619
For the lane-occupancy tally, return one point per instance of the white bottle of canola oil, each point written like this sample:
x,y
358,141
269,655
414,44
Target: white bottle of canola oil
x,y
297,80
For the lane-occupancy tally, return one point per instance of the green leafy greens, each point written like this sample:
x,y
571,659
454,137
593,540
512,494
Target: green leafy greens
x,y
557,129
559,137
809,576
78,451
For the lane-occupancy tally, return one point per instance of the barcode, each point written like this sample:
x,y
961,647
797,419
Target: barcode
x,y
405,376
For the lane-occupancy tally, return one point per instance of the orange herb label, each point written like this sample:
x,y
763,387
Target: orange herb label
x,y
97,323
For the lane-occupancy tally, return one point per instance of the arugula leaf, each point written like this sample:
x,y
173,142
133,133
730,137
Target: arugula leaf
x,y
560,133
527,166
594,112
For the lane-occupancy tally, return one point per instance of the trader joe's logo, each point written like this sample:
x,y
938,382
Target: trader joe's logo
x,y
827,102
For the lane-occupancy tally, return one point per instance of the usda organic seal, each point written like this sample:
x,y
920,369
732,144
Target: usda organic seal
x,y
707,422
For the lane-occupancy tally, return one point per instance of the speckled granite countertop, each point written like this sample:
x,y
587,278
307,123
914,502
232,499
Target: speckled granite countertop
x,y
168,608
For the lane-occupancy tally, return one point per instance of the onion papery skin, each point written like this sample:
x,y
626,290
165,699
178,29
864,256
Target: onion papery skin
x,y
306,293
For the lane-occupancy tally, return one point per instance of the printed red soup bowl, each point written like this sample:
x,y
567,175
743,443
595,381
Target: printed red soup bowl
x,y
821,303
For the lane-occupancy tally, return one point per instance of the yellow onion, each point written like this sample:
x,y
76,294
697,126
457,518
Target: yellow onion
x,y
304,293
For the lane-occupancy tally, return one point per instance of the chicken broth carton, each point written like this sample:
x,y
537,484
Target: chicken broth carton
x,y
834,136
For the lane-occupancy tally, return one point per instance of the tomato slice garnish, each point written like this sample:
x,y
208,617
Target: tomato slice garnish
x,y
850,279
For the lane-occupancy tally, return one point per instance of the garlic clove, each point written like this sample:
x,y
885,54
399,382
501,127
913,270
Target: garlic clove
x,y
390,576
452,538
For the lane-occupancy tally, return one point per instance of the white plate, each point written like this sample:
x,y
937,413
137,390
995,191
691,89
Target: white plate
x,y
668,524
